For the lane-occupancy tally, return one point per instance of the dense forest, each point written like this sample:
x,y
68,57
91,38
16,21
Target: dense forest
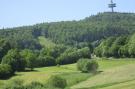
x,y
105,35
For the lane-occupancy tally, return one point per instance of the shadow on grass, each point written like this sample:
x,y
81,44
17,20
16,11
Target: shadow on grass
x,y
94,72
17,74
98,72
30,70
6,78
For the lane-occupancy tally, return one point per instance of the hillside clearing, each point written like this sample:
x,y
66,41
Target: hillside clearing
x,y
45,42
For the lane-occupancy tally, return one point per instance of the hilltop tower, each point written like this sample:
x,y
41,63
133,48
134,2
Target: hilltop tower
x,y
112,5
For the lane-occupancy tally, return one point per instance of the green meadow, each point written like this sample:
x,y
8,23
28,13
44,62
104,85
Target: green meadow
x,y
113,74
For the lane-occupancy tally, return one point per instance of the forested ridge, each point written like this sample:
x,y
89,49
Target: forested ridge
x,y
93,28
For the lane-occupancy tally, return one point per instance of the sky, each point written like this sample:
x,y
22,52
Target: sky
x,y
15,13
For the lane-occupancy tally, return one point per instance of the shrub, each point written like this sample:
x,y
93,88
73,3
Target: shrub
x,y
19,84
57,82
87,65
5,71
34,85
37,85
14,84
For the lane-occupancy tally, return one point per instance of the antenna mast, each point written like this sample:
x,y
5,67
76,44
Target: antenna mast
x,y
112,5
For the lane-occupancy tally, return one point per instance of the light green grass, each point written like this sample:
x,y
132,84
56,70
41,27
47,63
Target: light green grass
x,y
114,72
46,42
72,75
42,74
105,64
125,85
76,77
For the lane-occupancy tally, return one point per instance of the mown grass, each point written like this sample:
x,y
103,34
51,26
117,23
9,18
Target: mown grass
x,y
124,85
76,77
114,72
105,64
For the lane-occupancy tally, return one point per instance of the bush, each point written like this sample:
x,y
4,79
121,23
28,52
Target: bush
x,y
87,65
19,84
57,82
34,85
14,84
37,85
5,71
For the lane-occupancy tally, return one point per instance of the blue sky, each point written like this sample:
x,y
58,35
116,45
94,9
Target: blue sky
x,y
15,13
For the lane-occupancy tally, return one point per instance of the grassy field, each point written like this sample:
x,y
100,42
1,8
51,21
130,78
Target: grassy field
x,y
114,74
42,74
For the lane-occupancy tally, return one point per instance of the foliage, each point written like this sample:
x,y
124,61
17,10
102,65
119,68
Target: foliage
x,y
14,59
4,47
66,42
87,65
122,46
45,61
5,71
113,47
14,84
56,81
88,32
72,55
30,58
93,28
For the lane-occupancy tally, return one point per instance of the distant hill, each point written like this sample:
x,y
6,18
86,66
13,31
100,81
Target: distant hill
x,y
90,29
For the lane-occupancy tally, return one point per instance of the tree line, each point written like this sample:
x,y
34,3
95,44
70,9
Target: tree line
x,y
19,60
123,46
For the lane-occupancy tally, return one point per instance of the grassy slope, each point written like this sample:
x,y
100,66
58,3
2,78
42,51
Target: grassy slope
x,y
115,75
114,72
42,74
45,42
124,85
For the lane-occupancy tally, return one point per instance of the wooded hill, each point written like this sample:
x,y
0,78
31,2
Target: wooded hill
x,y
58,43
105,35
90,29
